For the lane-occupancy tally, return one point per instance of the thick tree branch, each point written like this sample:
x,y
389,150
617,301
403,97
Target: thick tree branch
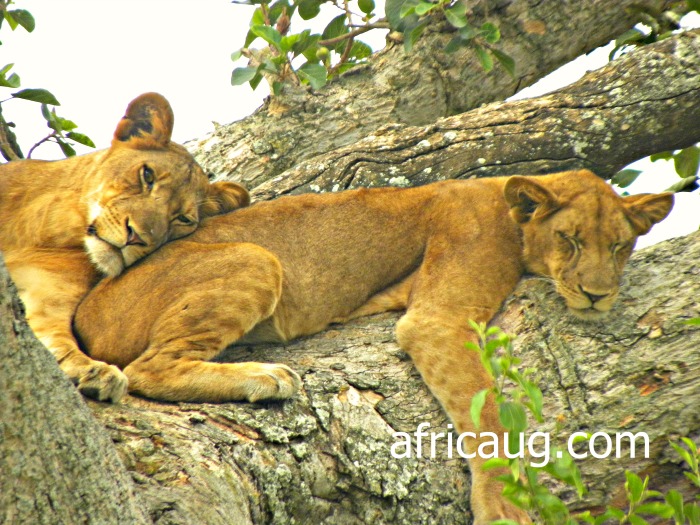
x,y
414,88
56,463
645,102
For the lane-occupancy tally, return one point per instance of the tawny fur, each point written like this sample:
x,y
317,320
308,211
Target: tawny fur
x,y
65,223
447,252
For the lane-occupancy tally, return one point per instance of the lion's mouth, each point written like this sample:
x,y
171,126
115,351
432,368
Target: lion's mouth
x,y
108,258
588,314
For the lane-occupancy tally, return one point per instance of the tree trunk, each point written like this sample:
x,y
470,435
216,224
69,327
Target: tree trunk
x,y
56,463
325,456
415,88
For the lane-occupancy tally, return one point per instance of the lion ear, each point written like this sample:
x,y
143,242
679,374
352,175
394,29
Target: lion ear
x,y
148,123
646,209
528,199
223,197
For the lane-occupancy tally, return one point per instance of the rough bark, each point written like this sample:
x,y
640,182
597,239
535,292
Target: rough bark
x,y
324,457
57,465
415,88
647,101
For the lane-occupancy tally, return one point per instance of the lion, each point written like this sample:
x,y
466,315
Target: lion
x,y
64,224
447,253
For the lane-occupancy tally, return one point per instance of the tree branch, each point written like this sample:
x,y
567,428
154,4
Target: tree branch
x,y
645,102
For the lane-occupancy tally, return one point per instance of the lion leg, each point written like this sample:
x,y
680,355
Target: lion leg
x,y
191,318
393,298
51,284
433,332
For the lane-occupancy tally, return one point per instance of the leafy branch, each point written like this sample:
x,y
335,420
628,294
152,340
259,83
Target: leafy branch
x,y
314,59
516,394
62,130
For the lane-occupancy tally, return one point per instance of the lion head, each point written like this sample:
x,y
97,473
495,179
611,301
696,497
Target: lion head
x,y
580,233
147,190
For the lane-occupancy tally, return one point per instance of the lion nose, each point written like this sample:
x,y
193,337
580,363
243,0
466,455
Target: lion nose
x,y
594,298
132,237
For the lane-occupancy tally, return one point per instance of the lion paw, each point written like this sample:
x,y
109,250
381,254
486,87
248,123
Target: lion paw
x,y
103,382
272,382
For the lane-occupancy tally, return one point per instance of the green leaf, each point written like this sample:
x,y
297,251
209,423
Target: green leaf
x,y
636,520
236,55
692,513
491,33
628,37
394,10
685,184
81,139
412,34
287,42
258,18
424,7
493,463
484,58
6,69
512,416
64,124
687,161
360,50
277,88
409,8
37,95
23,18
309,9
477,405
13,23
456,16
305,41
335,28
624,178
268,34
664,155
314,74
505,60
366,6
255,81
675,501
241,75
655,508
12,81
634,486
67,149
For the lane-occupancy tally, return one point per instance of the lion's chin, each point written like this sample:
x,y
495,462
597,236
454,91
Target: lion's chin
x,y
107,258
588,314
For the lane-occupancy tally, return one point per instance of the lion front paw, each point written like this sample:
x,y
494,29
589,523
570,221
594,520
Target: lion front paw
x,y
103,382
272,382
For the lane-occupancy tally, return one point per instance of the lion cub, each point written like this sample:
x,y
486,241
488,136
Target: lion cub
x,y
447,252
64,224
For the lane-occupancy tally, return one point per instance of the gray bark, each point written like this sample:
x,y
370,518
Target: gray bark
x,y
415,88
324,457
57,466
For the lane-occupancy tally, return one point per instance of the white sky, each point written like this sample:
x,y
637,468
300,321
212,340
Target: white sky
x,y
95,56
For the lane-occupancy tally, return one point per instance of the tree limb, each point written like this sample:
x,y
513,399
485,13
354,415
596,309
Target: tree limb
x,y
645,102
